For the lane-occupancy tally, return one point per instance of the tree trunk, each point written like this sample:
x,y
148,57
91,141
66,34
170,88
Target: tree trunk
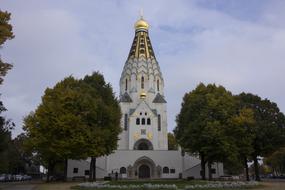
x,y
94,169
65,169
256,168
246,169
51,165
203,168
210,170
48,172
91,170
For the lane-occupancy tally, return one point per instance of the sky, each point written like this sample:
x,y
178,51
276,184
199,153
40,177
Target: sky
x,y
239,44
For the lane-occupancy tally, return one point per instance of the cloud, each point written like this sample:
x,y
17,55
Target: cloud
x,y
240,47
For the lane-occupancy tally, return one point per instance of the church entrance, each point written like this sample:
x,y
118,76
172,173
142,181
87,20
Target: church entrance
x,y
144,168
144,172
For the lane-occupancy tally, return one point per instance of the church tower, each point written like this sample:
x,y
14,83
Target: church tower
x,y
144,117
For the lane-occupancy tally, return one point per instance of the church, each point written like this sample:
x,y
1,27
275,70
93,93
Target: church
x,y
143,146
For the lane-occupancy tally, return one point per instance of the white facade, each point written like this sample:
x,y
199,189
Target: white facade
x,y
143,145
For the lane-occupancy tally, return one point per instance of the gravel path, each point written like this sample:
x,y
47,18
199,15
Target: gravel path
x,y
18,186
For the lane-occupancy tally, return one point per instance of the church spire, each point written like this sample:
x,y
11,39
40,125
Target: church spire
x,y
141,46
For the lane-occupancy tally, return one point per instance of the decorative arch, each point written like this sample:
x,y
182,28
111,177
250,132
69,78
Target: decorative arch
x,y
143,144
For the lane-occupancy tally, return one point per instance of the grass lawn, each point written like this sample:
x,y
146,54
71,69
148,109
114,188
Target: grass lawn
x,y
56,186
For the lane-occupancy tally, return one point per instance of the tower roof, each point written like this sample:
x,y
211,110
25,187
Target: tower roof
x,y
141,46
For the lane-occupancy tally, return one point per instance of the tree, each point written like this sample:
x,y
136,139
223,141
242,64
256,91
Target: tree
x,y
5,141
104,121
6,33
241,129
54,130
277,161
172,143
201,124
268,128
76,119
5,125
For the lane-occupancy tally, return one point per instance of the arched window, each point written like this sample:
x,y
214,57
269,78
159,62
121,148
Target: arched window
x,y
138,121
123,170
126,87
143,121
148,121
157,85
142,82
165,170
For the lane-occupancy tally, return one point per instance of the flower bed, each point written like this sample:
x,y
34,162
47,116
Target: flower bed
x,y
209,185
139,187
222,185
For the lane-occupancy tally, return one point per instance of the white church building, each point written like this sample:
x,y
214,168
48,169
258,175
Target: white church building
x,y
143,146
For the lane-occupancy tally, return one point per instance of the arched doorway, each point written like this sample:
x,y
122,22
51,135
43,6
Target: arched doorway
x,y
144,171
143,144
144,168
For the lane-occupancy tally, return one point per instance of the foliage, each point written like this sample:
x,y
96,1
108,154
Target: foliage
x,y
5,142
76,119
203,120
269,126
53,130
277,161
103,119
172,143
5,34
5,125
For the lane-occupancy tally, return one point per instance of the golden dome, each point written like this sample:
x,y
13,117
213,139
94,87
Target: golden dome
x,y
141,24
143,95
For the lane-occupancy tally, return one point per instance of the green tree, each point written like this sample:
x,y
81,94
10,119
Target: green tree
x,y
201,124
268,128
241,129
54,130
6,33
76,119
5,125
172,143
277,161
103,121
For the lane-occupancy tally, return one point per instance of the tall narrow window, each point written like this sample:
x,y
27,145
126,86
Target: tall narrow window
x,y
126,122
157,85
158,122
142,83
138,121
148,121
143,121
126,87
